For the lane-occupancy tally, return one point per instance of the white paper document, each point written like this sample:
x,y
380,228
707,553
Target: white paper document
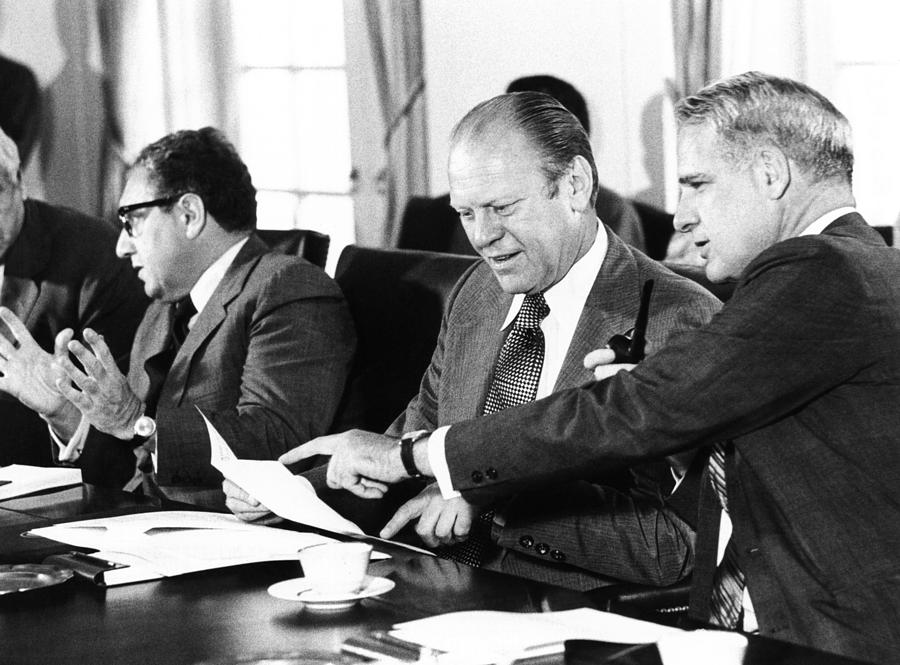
x,y
489,637
269,482
168,543
19,479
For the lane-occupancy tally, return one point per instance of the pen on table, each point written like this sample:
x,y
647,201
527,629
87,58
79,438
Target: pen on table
x,y
387,638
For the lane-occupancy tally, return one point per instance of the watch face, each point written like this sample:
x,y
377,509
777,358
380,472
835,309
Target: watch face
x,y
145,426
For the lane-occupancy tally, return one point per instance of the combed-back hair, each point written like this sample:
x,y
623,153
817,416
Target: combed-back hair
x,y
205,163
754,108
562,91
554,133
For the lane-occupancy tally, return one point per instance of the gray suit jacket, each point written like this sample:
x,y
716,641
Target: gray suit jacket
x,y
609,525
801,369
266,361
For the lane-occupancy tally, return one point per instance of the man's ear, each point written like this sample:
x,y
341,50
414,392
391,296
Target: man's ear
x,y
773,170
192,215
580,182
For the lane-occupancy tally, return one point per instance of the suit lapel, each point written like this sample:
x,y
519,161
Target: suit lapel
x,y
610,309
151,339
473,345
212,316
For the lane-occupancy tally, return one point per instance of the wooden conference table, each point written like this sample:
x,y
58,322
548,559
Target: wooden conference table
x,y
226,616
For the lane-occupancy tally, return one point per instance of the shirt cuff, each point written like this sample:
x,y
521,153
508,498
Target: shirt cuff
x,y
437,460
71,451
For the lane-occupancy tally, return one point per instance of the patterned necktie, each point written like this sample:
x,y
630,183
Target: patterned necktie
x,y
728,584
515,381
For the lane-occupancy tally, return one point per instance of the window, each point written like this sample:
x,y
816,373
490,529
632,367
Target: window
x,y
294,130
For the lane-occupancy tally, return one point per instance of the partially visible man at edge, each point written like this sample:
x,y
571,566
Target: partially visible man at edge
x,y
523,178
58,270
260,342
796,382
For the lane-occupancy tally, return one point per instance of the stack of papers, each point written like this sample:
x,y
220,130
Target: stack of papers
x,y
168,543
493,637
19,479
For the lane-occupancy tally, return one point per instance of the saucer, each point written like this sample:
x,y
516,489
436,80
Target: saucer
x,y
298,590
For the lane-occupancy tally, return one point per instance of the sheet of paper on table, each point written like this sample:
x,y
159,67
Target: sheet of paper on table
x,y
19,479
484,636
288,496
169,543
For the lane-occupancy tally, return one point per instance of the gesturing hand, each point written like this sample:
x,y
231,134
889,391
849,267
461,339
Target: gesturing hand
x,y
27,370
103,395
441,521
361,462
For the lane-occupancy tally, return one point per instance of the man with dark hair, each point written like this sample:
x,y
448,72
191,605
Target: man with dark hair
x,y
431,223
58,270
260,343
20,112
523,178
795,383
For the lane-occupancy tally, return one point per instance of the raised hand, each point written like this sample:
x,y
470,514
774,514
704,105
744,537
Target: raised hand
x,y
103,395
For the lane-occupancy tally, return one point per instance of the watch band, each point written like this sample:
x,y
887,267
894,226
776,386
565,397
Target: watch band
x,y
406,451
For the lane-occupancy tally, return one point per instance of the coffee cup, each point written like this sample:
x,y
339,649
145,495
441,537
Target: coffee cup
x,y
335,568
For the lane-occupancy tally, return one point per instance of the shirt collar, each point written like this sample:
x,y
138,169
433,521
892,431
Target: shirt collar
x,y
820,224
212,276
569,293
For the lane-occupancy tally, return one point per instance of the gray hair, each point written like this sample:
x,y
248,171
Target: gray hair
x,y
754,108
555,134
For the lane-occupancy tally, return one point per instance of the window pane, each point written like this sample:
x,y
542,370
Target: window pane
x,y
318,33
323,140
263,31
268,129
275,210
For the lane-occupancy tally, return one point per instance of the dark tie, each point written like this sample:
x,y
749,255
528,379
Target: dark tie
x,y
515,381
157,368
728,584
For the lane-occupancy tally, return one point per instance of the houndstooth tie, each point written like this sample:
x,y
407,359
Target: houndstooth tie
x,y
728,584
516,377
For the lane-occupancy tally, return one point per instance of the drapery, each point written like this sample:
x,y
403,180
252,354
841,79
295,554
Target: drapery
x,y
697,38
168,65
395,36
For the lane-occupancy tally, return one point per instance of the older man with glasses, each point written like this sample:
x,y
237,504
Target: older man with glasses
x,y
260,343
57,271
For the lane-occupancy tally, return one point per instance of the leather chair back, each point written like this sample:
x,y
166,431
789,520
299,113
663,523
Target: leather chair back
x,y
397,298
310,245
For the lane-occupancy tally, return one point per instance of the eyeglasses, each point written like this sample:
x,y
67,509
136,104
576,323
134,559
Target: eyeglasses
x,y
124,213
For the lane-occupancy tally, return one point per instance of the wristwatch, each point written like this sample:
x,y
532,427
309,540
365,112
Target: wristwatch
x,y
144,427
406,451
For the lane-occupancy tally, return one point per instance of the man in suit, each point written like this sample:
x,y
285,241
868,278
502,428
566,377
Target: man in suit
x,y
508,155
799,375
58,270
432,223
260,343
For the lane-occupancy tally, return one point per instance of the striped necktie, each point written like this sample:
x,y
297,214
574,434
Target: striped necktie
x,y
515,381
728,585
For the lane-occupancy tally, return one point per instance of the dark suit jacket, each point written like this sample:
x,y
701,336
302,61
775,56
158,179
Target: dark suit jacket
x,y
801,368
609,525
62,272
266,361
433,224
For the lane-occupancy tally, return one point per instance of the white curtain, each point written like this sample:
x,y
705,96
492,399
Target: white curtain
x,y
395,36
168,65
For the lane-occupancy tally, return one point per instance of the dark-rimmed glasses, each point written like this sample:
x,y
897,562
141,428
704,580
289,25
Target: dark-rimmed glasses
x,y
124,212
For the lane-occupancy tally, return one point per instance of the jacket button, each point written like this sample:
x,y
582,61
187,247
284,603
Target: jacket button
x,y
556,555
491,473
477,476
542,548
526,542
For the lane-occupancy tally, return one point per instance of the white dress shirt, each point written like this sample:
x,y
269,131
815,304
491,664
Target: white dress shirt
x,y
566,300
